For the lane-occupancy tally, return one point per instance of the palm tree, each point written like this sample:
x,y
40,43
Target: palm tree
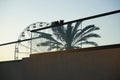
x,y
69,37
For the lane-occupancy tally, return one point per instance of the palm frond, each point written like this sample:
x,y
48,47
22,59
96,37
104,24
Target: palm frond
x,y
54,47
87,29
47,36
88,43
77,47
75,28
46,43
86,37
49,43
69,33
93,28
59,32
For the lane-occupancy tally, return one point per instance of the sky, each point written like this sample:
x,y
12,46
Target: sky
x,y
16,15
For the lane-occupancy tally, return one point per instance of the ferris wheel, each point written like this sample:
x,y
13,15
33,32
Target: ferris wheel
x,y
25,48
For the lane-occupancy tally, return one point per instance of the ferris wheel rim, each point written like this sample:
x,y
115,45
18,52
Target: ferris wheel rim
x,y
31,26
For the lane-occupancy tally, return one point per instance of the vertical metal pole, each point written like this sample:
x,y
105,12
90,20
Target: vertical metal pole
x,y
15,57
81,34
31,44
16,53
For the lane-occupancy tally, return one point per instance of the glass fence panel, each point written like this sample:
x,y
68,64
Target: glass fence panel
x,y
38,44
89,33
49,40
22,50
7,52
109,29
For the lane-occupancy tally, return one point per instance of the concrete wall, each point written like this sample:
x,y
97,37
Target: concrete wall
x,y
100,63
11,70
87,64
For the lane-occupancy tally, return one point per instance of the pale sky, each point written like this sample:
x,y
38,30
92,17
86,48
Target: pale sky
x,y
16,15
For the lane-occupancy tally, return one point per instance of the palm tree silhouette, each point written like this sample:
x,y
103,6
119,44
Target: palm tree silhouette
x,y
69,37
